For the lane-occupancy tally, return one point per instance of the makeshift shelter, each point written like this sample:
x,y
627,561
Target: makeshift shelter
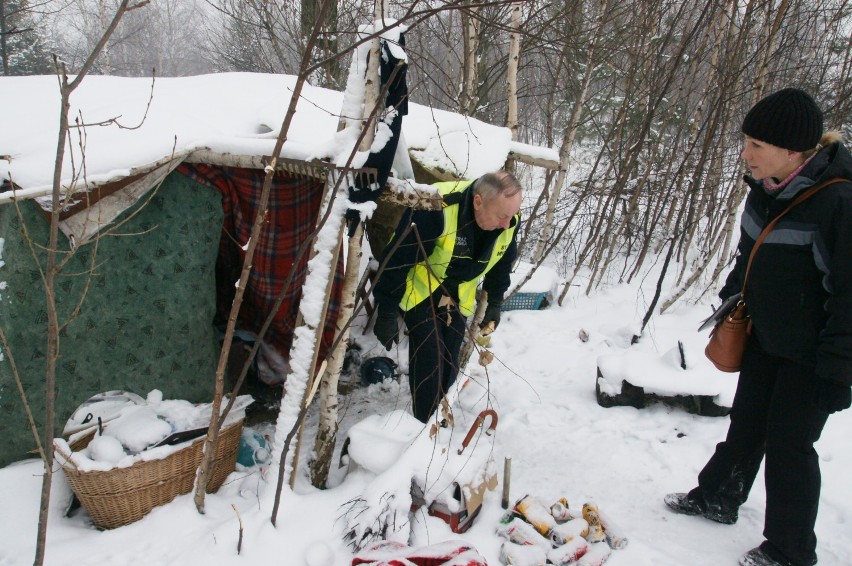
x,y
166,187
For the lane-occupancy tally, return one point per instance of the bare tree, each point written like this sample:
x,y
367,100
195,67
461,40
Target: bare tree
x,y
23,49
254,35
328,417
595,24
512,71
469,97
167,37
54,265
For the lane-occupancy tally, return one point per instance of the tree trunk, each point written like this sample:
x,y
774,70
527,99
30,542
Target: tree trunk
x,y
327,427
512,71
107,66
51,272
4,55
468,98
327,44
568,137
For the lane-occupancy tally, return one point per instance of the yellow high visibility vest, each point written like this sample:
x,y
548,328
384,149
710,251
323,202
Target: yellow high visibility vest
x,y
423,279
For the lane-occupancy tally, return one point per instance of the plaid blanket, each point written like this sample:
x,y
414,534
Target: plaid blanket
x,y
293,207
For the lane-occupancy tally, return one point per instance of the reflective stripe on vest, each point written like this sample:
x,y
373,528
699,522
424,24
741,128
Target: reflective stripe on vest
x,y
422,280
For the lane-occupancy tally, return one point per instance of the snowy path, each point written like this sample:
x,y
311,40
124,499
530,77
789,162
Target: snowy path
x,y
562,444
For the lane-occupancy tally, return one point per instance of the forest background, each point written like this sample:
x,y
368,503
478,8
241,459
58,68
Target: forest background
x,y
643,99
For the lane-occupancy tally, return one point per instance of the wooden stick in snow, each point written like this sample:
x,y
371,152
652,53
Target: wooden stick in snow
x,y
204,471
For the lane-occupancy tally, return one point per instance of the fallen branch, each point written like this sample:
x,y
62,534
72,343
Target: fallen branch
x,y
240,520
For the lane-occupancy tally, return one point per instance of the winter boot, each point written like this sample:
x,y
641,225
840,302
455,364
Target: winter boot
x,y
759,556
684,504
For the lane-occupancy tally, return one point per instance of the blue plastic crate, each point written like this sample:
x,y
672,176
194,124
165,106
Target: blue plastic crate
x,y
526,301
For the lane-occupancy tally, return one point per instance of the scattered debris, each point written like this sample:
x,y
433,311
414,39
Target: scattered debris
x,y
536,535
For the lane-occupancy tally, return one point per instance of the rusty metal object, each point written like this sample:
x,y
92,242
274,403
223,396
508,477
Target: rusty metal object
x,y
477,423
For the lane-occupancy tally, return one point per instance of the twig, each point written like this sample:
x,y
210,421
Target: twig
x,y
657,292
284,450
111,121
240,520
66,88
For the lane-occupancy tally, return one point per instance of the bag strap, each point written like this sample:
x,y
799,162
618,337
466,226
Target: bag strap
x,y
801,198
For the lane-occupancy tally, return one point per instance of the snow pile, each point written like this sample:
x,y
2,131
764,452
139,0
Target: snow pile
x,y
663,374
226,113
543,280
561,442
458,439
378,441
456,144
137,428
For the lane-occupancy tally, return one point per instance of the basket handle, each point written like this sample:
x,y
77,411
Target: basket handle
x,y
65,456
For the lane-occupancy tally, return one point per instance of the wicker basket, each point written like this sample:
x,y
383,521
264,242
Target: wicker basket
x,y
120,496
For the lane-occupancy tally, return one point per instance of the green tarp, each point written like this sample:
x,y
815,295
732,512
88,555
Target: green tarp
x,y
145,321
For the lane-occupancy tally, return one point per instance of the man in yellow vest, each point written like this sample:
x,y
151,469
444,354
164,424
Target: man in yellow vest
x,y
433,282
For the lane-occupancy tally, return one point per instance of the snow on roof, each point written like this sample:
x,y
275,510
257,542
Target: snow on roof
x,y
228,113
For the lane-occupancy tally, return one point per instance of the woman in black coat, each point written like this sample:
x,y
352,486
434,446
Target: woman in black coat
x,y
797,367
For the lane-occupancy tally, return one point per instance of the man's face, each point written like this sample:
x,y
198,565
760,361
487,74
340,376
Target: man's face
x,y
496,211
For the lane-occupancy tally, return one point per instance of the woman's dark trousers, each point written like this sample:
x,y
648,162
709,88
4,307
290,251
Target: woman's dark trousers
x,y
773,414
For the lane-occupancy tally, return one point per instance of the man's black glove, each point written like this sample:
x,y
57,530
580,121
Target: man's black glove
x,y
386,327
353,218
492,314
832,396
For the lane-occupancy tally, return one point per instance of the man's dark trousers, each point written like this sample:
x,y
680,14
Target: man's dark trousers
x,y
433,353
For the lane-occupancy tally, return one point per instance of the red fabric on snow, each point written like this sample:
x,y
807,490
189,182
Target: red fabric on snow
x,y
447,553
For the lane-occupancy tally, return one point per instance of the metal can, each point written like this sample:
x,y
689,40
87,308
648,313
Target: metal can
x,y
520,532
559,510
536,514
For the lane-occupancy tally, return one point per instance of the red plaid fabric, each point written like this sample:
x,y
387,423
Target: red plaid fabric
x,y
293,207
447,553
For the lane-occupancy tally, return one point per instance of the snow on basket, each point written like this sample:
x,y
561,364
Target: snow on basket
x,y
534,294
117,488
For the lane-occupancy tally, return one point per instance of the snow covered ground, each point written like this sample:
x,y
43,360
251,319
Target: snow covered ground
x,y
562,444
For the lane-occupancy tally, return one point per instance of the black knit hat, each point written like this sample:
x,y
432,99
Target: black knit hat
x,y
788,118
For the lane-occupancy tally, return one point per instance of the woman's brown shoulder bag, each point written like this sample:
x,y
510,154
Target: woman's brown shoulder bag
x,y
728,339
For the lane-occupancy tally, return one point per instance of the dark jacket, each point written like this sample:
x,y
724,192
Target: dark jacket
x,y
799,290
470,256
